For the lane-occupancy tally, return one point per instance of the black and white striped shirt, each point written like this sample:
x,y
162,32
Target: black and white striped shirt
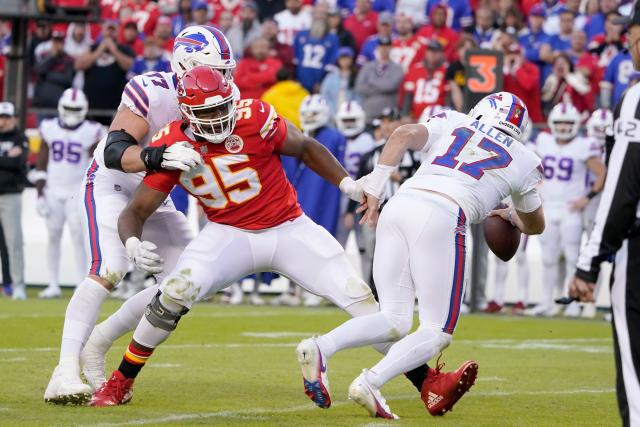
x,y
617,214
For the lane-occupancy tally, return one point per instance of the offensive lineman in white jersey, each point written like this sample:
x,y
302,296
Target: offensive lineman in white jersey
x,y
471,163
68,143
149,102
566,158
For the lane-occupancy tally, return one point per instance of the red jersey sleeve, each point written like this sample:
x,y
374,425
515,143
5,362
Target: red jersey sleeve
x,y
272,127
165,180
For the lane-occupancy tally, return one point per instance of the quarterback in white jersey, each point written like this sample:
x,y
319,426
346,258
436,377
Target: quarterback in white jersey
x,y
149,102
470,163
567,159
67,143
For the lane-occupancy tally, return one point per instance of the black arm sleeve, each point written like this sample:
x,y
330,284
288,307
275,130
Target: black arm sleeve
x,y
117,142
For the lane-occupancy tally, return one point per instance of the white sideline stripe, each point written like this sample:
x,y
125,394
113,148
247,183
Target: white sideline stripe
x,y
544,344
248,413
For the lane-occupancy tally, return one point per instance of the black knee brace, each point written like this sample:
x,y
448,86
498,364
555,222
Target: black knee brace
x,y
160,317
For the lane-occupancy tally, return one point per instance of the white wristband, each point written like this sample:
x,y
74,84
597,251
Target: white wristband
x,y
377,180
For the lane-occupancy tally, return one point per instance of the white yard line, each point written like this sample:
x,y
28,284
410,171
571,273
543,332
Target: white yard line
x,y
251,414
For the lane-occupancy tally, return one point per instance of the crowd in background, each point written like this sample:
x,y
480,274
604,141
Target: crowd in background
x,y
407,54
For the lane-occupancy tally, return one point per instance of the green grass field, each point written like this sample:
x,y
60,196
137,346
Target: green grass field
x,y
236,366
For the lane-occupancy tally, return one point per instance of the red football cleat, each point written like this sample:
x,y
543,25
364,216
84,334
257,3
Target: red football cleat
x,y
518,308
118,390
493,307
441,390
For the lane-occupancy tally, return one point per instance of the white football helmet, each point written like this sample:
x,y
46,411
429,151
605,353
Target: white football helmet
x,y
428,112
503,111
202,45
564,121
350,119
72,107
314,113
600,124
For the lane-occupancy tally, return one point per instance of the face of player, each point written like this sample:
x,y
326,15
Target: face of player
x,y
563,128
213,114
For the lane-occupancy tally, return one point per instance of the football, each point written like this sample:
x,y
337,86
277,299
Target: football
x,y
502,238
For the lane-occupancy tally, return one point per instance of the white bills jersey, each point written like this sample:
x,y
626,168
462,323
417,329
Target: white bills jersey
x,y
68,153
154,97
355,149
476,165
565,169
289,24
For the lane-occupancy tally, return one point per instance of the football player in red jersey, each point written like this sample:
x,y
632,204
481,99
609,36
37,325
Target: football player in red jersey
x,y
407,48
255,223
425,84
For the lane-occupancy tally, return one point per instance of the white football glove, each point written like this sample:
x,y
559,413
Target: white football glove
x,y
180,155
375,183
353,189
42,207
142,255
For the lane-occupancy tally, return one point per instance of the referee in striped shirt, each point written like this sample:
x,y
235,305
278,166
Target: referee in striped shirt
x,y
616,233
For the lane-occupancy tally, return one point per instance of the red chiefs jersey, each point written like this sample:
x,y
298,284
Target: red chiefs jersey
x,y
241,182
408,52
428,88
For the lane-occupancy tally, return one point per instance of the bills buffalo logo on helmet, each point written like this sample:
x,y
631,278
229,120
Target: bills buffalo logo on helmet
x,y
234,144
194,42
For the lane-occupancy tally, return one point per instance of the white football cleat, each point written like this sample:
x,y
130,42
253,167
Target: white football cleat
x,y
542,310
19,292
65,388
314,372
237,295
93,357
572,310
370,398
51,291
589,310
311,300
286,298
255,299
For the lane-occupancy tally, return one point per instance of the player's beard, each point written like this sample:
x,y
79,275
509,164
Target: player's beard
x,y
318,29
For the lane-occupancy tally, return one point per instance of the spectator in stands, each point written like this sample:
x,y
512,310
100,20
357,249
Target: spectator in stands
x,y
286,96
315,50
334,20
533,38
220,6
378,81
78,40
608,44
425,84
513,19
225,21
560,42
54,73
129,36
256,73
105,68
385,27
578,46
455,75
144,13
596,23
615,80
462,14
14,148
245,30
290,21
283,52
200,13
438,30
522,78
552,23
485,32
339,84
501,8
407,48
183,18
151,60
564,84
362,23
347,6
164,35
41,34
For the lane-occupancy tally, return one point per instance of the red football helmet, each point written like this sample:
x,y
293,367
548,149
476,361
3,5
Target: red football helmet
x,y
206,102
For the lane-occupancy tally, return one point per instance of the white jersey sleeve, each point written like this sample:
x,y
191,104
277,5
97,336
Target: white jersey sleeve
x,y
526,198
436,126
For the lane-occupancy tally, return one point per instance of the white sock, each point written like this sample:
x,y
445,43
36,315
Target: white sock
x,y
53,257
523,277
82,312
502,271
550,275
128,315
407,354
